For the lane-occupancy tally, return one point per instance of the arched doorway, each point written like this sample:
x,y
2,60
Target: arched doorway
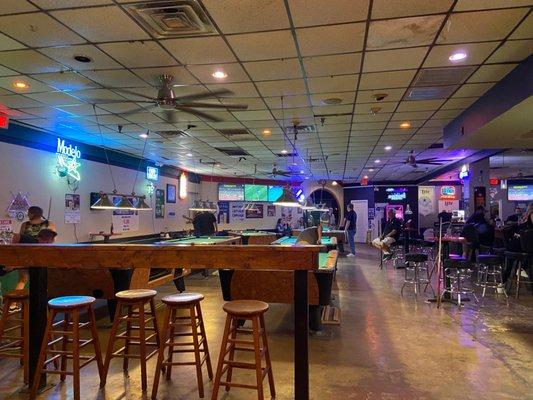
x,y
324,196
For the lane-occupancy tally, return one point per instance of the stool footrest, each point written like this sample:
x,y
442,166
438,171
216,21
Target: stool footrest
x,y
12,328
239,385
120,353
239,364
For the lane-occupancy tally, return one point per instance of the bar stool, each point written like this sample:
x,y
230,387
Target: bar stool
x,y
490,265
416,263
170,332
65,332
457,271
244,310
522,261
136,318
14,339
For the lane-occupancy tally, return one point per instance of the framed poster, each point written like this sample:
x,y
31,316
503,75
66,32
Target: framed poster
x,y
72,208
171,193
159,203
256,212
271,210
223,212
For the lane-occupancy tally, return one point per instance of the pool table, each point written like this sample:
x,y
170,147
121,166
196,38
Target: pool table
x,y
329,242
255,237
277,286
201,240
326,232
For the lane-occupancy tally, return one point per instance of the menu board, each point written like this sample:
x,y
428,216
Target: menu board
x,y
230,192
255,192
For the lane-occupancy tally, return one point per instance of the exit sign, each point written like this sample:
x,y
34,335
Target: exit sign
x,y
4,121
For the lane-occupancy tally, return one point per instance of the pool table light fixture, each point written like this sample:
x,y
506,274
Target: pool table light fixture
x,y
287,199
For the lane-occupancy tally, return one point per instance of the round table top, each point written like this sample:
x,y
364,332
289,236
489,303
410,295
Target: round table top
x,y
454,239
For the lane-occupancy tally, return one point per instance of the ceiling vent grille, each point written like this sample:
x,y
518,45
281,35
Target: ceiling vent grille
x,y
430,93
236,135
172,18
299,129
442,76
232,151
171,134
436,146
287,154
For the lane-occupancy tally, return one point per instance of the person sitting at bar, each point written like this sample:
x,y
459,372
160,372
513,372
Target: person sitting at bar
x,y
390,235
205,224
478,217
280,226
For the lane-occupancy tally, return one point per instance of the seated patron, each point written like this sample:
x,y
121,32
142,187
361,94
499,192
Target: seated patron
x,y
390,235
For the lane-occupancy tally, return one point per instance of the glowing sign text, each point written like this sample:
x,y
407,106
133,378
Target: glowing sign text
x,y
67,160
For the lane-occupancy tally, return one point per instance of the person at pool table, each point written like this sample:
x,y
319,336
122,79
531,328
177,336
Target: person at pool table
x,y
312,235
205,224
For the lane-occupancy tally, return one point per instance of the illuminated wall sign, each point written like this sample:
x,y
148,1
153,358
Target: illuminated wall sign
x,y
4,121
464,173
448,193
396,194
152,173
183,186
494,181
68,160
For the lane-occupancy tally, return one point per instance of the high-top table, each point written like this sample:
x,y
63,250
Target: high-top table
x,y
445,254
38,258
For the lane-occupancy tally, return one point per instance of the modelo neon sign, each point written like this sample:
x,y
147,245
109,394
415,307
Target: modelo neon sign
x,y
67,160
396,194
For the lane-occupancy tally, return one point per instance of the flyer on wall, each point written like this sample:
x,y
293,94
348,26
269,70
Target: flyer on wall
x,y
72,208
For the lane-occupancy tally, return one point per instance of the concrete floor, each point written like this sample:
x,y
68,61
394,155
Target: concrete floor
x,y
386,348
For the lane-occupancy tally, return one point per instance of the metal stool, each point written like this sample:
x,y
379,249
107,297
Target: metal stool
x,y
457,271
67,331
14,338
170,332
415,264
522,261
136,319
244,310
490,265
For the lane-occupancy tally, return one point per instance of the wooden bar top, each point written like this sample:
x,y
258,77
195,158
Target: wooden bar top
x,y
96,256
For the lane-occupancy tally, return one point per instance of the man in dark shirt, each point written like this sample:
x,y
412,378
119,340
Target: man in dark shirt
x,y
390,235
350,228
205,224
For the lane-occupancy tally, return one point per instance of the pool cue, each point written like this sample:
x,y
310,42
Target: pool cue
x,y
439,267
49,208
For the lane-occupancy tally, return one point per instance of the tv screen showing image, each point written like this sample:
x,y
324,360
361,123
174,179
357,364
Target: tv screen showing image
x,y
255,193
274,192
230,192
520,192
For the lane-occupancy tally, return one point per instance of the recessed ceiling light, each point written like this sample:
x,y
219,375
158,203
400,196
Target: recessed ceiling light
x,y
267,132
284,151
189,154
332,101
457,56
83,59
371,170
375,110
388,148
377,161
219,75
302,171
334,183
365,177
405,125
20,85
143,135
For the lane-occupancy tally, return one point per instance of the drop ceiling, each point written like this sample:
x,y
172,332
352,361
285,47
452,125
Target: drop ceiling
x,y
283,58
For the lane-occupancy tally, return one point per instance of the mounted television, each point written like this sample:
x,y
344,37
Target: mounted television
x,y
255,193
230,192
274,192
520,192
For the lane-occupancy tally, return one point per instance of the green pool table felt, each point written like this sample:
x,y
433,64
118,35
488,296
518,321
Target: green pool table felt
x,y
198,240
252,233
290,240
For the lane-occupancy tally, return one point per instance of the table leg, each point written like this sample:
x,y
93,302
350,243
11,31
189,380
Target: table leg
x,y
301,335
38,313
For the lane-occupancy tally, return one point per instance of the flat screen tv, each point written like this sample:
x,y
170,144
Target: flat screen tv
x,y
274,192
520,192
228,192
255,192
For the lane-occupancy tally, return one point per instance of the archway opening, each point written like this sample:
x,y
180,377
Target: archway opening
x,y
324,196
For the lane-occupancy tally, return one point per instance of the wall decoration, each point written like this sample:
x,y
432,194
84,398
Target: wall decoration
x,y
68,161
271,210
171,193
237,212
183,186
152,173
18,208
150,188
72,208
426,200
256,212
159,203
6,231
223,212
448,193
448,205
125,221
286,214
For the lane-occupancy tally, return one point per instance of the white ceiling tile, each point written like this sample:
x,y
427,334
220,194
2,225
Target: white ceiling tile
x,y
476,54
380,117
29,61
384,80
18,101
339,83
67,81
490,25
345,97
16,6
138,54
420,105
337,109
34,85
238,89
491,73
288,101
84,110
411,115
339,64
6,71
310,12
512,51
55,98
403,32
200,50
54,4
394,59
525,30
369,96
331,39
394,9
282,88
465,5
101,24
459,103
473,89
6,43
239,16
386,107
274,70
114,78
252,115
442,114
204,73
263,46
66,56
151,75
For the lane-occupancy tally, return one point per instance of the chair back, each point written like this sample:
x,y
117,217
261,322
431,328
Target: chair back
x,y
526,240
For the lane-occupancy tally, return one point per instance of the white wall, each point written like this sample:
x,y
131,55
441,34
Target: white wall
x,y
31,171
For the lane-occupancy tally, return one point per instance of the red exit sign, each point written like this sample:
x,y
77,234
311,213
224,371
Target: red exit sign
x,y
494,181
4,121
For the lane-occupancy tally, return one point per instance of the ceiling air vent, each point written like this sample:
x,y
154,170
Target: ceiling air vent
x,y
442,76
286,154
171,134
436,146
232,151
172,18
300,129
429,93
236,135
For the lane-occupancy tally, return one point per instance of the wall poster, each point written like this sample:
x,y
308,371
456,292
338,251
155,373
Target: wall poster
x,y
18,207
286,214
448,205
426,200
271,210
223,212
159,203
125,221
72,208
256,212
237,211
171,193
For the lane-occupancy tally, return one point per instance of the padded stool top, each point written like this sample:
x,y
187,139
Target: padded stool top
x,y
490,259
20,294
416,257
517,256
456,263
71,301
245,308
183,298
136,294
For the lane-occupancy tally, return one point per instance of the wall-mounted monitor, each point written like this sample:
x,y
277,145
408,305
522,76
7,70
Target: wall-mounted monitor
x,y
274,192
228,192
520,192
255,192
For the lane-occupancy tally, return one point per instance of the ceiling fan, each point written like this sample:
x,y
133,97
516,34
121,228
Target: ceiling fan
x,y
413,162
167,101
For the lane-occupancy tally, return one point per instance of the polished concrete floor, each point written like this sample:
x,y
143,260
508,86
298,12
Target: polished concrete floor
x,y
387,347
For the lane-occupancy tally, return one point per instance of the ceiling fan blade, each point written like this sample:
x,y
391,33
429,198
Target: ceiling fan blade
x,y
197,113
214,105
130,92
169,116
145,109
104,101
204,95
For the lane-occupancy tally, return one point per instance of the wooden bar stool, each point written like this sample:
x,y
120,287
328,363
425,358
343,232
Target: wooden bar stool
x,y
171,332
67,332
136,319
14,328
244,310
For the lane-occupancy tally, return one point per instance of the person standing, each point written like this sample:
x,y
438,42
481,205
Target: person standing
x,y
350,228
205,224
